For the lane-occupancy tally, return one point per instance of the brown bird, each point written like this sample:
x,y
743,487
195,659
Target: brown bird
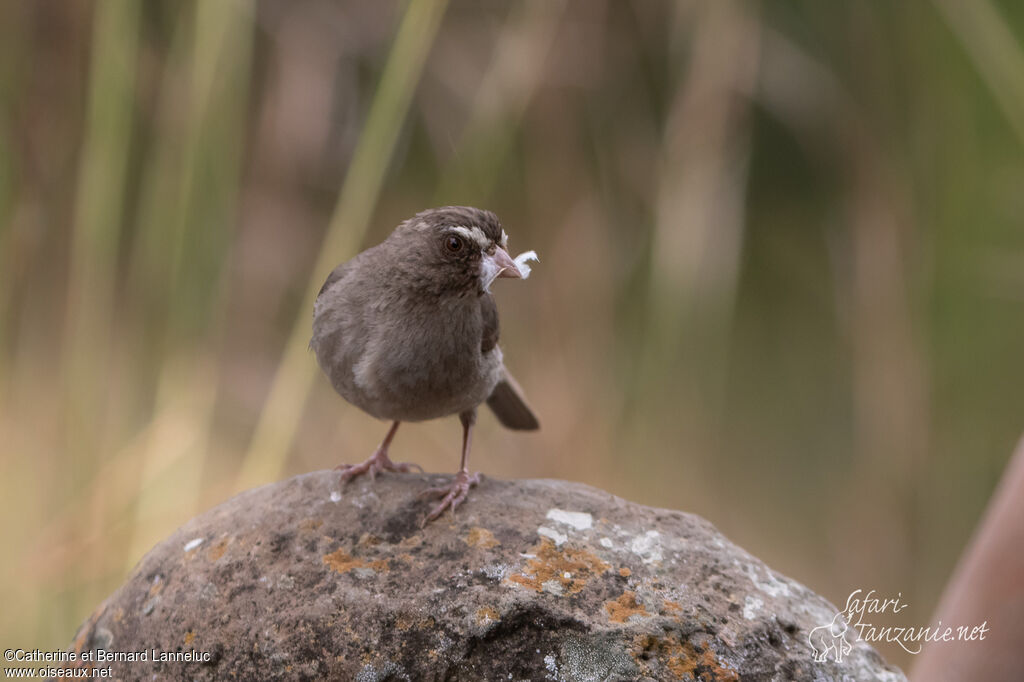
x,y
408,331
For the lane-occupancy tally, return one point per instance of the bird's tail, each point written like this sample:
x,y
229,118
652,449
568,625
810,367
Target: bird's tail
x,y
509,404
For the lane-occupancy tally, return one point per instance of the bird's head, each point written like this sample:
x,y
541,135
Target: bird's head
x,y
460,249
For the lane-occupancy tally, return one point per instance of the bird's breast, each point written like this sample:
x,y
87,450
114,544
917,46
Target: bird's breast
x,y
425,361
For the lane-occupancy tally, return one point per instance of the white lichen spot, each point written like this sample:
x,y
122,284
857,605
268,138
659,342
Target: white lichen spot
x,y
444,643
607,542
192,544
335,496
567,575
367,674
551,663
553,534
751,606
496,571
647,546
771,585
388,671
578,520
552,587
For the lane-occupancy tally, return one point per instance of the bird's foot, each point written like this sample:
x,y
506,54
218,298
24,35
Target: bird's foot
x,y
452,494
377,462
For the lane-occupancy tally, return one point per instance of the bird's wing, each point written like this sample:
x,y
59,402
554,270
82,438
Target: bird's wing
x,y
509,404
489,313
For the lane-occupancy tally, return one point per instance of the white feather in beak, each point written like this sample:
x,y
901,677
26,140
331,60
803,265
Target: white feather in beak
x,y
500,264
521,262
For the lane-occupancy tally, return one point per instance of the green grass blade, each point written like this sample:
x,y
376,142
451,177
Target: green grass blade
x,y
283,409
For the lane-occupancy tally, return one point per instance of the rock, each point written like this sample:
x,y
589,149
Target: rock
x,y
531,580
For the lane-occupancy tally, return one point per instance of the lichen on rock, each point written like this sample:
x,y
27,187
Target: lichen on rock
x,y
530,580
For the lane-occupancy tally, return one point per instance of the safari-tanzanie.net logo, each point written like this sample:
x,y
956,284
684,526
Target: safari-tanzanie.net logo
x,y
834,640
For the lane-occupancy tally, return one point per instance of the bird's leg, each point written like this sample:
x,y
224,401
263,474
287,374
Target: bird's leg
x,y
456,492
377,462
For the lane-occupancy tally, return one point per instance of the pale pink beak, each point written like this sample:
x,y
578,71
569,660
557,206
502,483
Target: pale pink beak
x,y
508,267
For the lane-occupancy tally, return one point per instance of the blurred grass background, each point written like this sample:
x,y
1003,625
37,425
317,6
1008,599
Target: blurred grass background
x,y
781,279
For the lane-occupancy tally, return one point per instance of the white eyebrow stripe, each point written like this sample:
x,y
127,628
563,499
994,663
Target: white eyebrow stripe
x,y
474,234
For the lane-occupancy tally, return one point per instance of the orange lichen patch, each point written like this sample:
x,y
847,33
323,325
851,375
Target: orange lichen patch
x,y
343,562
217,551
570,568
156,588
704,665
189,637
310,525
682,659
486,615
625,572
481,537
118,615
671,607
619,610
406,622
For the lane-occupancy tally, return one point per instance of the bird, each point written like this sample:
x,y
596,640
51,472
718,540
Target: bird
x,y
407,331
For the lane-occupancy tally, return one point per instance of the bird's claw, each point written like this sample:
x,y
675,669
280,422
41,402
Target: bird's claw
x,y
452,494
378,462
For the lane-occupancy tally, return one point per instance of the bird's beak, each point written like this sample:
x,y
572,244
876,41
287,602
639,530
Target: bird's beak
x,y
498,264
507,266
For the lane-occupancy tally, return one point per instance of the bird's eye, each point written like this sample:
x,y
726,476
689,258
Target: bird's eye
x,y
454,244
